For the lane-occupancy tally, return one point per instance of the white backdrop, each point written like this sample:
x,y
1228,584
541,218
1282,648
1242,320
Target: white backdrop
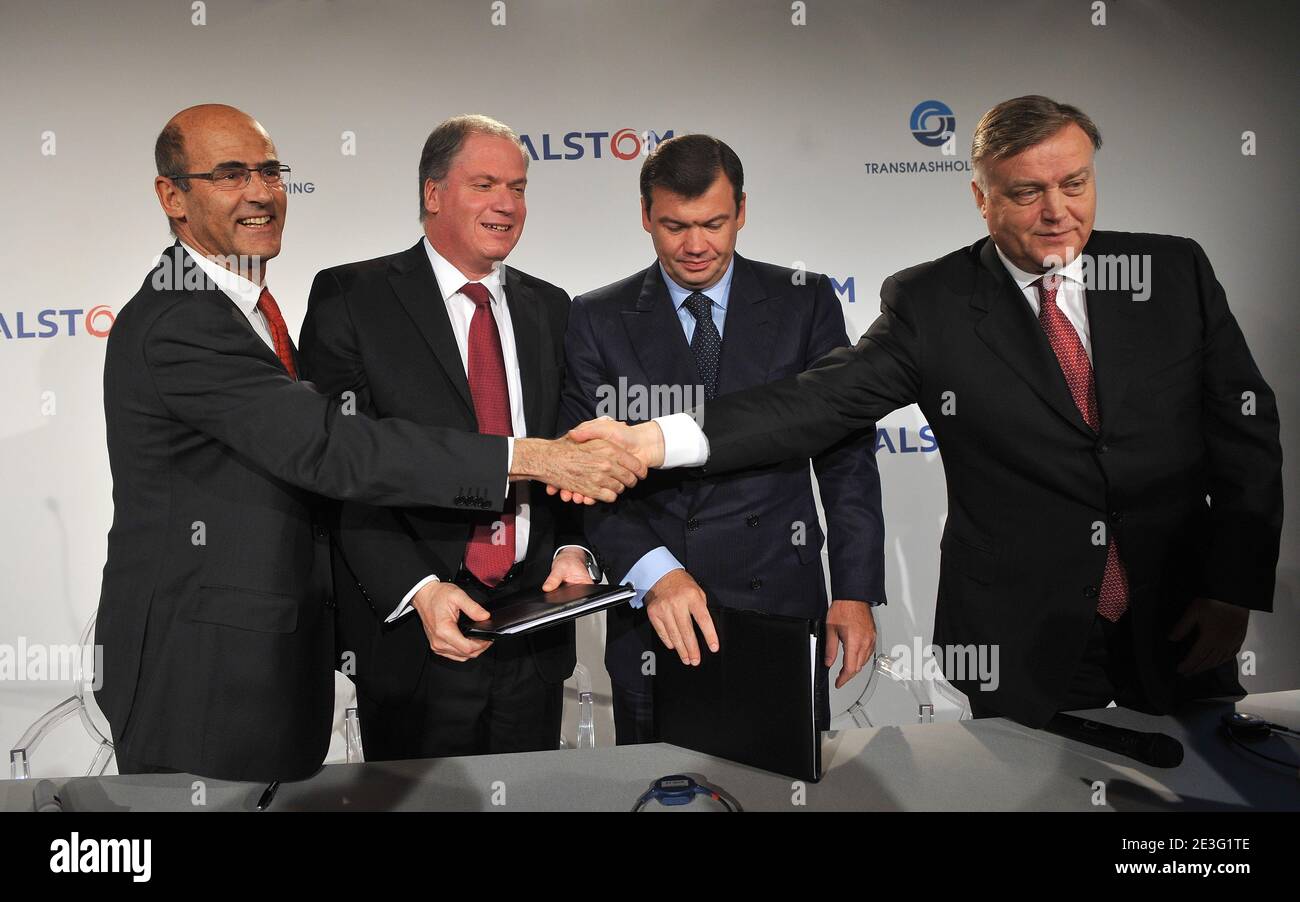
x,y
85,87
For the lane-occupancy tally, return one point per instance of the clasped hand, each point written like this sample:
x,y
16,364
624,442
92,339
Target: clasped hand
x,y
644,442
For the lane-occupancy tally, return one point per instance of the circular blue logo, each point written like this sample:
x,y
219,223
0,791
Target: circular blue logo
x,y
932,122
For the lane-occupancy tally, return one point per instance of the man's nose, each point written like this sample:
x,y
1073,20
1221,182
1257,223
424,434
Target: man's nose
x,y
256,191
694,242
1053,205
506,202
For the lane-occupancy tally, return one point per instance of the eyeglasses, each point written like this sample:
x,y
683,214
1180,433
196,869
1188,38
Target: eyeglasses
x,y
239,176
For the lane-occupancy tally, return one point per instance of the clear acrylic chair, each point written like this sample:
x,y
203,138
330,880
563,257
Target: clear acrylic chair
x,y
924,691
352,737
80,704
586,710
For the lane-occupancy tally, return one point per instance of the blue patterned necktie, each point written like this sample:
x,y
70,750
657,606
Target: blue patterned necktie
x,y
706,343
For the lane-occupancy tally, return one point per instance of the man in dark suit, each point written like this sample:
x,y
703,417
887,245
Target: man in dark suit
x,y
704,320
213,616
443,333
1111,450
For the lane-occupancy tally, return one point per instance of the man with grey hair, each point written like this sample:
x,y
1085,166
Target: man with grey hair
x,y
444,333
1110,448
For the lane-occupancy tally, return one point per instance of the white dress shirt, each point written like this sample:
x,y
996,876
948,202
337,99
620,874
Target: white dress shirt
x,y
1070,296
244,293
685,444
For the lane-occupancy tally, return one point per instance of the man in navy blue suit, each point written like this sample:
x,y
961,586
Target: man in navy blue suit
x,y
699,322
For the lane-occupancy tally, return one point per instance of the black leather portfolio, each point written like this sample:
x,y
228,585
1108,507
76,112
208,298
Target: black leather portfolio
x,y
531,611
760,700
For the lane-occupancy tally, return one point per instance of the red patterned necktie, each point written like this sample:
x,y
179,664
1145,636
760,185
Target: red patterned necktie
x,y
279,334
1112,600
491,550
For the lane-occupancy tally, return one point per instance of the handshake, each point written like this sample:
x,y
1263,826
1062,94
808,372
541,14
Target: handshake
x,y
595,461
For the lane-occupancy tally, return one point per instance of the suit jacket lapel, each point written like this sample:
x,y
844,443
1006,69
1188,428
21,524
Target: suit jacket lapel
x,y
749,332
1010,330
1114,320
178,254
532,333
656,334
413,281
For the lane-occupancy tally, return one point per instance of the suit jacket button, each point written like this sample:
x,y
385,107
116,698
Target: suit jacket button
x,y
1089,591
692,524
1102,448
756,583
752,521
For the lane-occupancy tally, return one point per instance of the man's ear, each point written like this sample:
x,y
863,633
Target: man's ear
x,y
645,216
740,211
979,196
432,200
170,197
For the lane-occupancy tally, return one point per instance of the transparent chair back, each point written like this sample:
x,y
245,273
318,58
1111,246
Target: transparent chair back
x,y
81,705
850,705
352,737
586,731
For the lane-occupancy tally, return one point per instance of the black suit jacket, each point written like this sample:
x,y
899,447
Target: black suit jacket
x,y
213,614
735,533
379,329
1029,482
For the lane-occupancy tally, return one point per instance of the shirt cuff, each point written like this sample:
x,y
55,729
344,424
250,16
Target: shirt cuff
x,y
405,607
593,570
649,570
685,444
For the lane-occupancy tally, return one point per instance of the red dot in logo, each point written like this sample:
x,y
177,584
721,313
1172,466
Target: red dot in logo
x,y
103,311
621,137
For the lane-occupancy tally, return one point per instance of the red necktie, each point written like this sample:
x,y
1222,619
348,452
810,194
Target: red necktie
x,y
491,550
1112,600
279,334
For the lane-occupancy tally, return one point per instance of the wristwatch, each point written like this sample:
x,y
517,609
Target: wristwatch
x,y
593,570
679,789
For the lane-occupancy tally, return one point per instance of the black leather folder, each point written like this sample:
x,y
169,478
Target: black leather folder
x,y
760,700
528,612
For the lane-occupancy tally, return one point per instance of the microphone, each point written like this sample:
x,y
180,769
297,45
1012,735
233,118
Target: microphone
x,y
1154,749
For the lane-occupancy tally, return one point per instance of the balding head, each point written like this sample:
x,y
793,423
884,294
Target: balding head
x,y
169,150
219,220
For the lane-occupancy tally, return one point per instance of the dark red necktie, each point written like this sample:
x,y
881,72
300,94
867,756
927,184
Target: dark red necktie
x,y
279,334
491,550
1112,600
